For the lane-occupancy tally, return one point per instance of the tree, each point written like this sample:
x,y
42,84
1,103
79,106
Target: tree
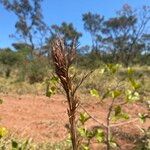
x,y
123,33
29,26
93,24
8,58
146,41
23,49
119,36
145,56
67,31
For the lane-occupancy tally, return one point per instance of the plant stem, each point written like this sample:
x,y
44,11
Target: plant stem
x,y
108,135
71,114
108,132
73,131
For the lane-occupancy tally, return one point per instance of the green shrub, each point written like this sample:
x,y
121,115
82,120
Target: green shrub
x,y
8,59
37,70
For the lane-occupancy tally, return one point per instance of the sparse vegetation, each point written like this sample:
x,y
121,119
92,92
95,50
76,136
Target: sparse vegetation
x,y
106,84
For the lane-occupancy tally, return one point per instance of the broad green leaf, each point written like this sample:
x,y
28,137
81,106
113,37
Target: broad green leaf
x,y
124,116
142,117
115,93
113,68
132,96
95,93
83,118
49,93
100,135
135,96
14,144
120,116
90,134
113,144
130,71
54,80
102,71
51,86
117,110
53,89
83,132
3,132
85,147
135,84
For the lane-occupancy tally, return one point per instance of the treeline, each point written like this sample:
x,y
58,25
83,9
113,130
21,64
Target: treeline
x,y
124,38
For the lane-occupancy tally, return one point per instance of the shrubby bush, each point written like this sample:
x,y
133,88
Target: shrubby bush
x,y
8,59
37,70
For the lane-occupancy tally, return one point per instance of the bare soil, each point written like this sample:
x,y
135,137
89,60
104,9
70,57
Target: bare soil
x,y
45,119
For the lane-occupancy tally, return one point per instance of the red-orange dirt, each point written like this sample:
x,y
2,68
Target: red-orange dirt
x,y
45,119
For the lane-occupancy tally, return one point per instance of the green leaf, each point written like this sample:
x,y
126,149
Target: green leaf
x,y
113,68
120,116
49,93
54,80
124,116
135,84
117,110
132,96
95,93
53,89
142,117
115,93
83,132
90,134
51,86
84,117
102,71
100,135
3,132
14,144
130,71
113,144
85,147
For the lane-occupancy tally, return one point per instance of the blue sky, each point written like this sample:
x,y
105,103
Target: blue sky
x,y
57,11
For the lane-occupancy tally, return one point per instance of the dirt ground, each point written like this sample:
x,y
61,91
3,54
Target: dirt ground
x,y
44,119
